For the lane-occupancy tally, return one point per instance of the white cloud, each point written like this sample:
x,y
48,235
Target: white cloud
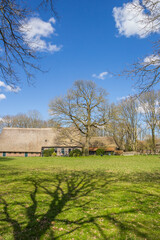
x,y
152,60
12,89
123,98
131,19
2,84
2,96
9,88
141,109
52,20
145,107
35,30
101,76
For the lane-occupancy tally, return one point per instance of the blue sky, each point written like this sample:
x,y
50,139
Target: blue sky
x,y
89,41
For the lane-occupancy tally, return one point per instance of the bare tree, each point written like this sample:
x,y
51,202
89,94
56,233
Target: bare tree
x,y
123,126
15,51
150,110
116,127
130,117
146,71
32,119
84,106
35,119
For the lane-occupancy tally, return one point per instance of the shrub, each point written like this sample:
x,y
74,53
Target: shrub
x,y
128,148
75,153
48,152
54,154
100,151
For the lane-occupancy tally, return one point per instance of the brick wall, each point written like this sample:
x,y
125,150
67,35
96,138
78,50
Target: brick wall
x,y
18,154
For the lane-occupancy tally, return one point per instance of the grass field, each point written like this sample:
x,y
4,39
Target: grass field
x,y
80,198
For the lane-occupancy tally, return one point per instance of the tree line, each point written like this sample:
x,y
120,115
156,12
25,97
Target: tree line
x,y
133,122
32,119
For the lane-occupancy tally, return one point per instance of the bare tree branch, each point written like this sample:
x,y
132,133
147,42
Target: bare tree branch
x,y
145,72
84,107
15,52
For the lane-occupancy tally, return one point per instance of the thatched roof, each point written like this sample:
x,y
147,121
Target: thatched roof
x,y
103,142
26,139
33,139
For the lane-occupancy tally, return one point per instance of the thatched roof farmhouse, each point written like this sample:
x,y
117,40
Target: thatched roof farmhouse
x,y
32,141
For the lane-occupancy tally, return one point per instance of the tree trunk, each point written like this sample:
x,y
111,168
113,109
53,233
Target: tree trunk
x,y
153,141
117,143
86,147
135,140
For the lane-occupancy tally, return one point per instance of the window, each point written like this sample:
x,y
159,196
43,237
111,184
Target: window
x,y
62,150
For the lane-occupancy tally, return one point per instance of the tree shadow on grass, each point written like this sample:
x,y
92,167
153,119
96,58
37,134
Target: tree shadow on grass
x,y
63,190
140,177
66,188
7,171
5,159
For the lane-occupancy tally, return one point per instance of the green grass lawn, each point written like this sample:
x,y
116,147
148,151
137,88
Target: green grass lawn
x,y
80,198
